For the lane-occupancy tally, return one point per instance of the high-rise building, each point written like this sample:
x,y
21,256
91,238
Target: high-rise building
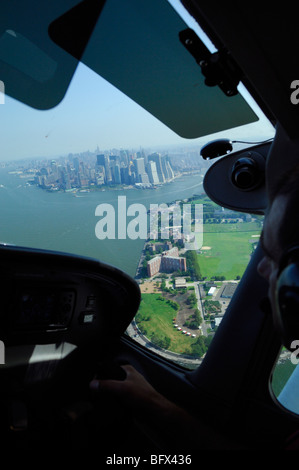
x,y
114,159
166,167
152,172
103,160
142,176
125,175
116,174
156,157
124,157
139,166
65,179
100,176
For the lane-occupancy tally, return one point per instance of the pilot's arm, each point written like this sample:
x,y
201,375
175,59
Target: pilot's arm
x,y
168,425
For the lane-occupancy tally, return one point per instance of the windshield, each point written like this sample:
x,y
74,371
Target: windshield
x,y
89,175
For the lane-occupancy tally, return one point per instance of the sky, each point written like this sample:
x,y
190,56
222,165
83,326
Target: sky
x,y
93,114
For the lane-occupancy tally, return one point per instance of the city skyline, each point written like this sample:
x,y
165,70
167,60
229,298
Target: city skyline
x,y
120,167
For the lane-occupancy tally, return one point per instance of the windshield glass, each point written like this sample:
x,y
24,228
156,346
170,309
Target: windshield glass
x,y
88,177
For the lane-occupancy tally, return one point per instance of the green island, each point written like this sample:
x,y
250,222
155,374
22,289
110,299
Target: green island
x,y
174,318
156,319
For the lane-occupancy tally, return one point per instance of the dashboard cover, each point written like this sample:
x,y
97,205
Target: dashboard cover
x,y
49,297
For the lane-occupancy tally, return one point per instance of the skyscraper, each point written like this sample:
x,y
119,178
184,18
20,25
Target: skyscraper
x,y
156,157
116,174
103,160
125,175
142,176
152,172
166,167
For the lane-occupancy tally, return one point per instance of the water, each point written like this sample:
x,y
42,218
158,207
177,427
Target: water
x,y
33,217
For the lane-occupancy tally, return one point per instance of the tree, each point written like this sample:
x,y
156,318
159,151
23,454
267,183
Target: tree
x,y
192,264
194,320
160,341
199,347
192,300
197,317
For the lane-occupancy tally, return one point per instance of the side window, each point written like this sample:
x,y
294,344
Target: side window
x,y
185,292
285,378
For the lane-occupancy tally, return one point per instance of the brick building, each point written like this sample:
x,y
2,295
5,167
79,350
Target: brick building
x,y
168,262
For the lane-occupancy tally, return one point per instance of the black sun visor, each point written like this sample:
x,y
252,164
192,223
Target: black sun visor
x,y
136,45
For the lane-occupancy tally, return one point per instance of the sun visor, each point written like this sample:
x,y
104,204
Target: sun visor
x,y
237,181
33,69
136,46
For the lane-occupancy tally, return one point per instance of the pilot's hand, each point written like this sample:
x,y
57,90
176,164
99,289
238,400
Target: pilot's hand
x,y
159,417
134,391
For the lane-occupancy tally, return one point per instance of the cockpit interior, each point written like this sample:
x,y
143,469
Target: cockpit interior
x,y
221,78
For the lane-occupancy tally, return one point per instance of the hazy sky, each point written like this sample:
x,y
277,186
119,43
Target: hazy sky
x,y
93,113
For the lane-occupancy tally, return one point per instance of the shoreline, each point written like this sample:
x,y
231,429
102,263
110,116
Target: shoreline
x,y
54,188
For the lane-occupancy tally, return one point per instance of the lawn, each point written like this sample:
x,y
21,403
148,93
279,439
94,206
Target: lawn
x,y
226,252
281,375
158,318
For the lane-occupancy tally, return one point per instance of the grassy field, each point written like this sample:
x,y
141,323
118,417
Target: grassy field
x,y
226,249
226,252
281,374
158,317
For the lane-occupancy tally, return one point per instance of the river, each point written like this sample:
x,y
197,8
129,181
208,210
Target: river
x,y
33,217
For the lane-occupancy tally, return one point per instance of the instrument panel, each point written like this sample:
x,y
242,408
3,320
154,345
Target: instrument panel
x,y
52,297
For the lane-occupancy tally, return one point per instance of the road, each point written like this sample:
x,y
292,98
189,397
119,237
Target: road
x,y
134,332
204,327
141,339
